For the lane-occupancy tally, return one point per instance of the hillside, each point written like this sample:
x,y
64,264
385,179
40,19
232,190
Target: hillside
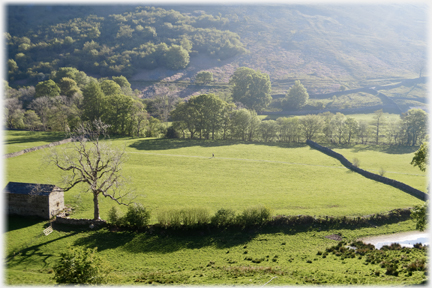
x,y
323,46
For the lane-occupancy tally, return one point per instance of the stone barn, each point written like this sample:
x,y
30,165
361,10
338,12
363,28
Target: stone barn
x,y
29,199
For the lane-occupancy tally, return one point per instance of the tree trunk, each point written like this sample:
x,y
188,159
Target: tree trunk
x,y
96,206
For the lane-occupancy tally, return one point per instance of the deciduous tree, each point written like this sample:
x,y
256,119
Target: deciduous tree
x,y
93,164
252,88
296,97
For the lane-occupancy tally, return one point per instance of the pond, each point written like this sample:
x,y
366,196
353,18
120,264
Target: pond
x,y
405,239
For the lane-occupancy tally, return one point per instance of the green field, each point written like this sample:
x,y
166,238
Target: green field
x,y
202,257
290,179
19,140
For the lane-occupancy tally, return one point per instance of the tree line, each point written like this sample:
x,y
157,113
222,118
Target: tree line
x,y
208,117
71,97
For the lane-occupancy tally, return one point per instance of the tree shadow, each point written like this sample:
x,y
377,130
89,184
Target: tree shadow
x,y
26,253
165,144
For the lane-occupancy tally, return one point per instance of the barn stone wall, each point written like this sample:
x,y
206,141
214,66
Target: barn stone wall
x,y
28,205
56,202
35,205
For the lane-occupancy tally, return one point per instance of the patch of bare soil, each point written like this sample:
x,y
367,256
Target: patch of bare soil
x,y
334,237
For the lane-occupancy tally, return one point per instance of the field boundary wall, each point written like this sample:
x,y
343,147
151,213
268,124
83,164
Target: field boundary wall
x,y
399,185
79,222
32,149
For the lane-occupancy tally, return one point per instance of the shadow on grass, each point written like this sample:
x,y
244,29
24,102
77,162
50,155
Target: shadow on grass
x,y
165,144
19,137
136,242
163,243
15,222
25,254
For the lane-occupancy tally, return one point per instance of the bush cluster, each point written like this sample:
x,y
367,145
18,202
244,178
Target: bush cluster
x,y
185,216
394,263
81,266
136,216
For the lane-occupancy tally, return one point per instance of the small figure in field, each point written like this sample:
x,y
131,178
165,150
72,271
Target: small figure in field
x,y
213,155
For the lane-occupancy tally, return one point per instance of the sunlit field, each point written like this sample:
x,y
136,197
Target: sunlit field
x,y
289,179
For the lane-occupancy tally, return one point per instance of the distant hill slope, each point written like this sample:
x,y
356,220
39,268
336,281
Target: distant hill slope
x,y
324,46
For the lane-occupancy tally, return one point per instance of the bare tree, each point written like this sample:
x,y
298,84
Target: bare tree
x,y
94,164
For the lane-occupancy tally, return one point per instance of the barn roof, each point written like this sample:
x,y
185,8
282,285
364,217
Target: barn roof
x,y
30,188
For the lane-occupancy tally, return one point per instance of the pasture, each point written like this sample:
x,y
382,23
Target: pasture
x,y
290,179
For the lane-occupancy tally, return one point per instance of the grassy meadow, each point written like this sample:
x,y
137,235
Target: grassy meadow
x,y
251,257
19,140
290,179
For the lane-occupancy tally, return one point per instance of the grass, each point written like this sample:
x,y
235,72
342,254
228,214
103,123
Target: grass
x,y
288,178
373,158
19,140
231,258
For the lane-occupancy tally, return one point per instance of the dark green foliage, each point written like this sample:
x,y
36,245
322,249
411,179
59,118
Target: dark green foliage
x,y
252,88
137,216
186,216
81,266
121,43
254,216
296,97
420,158
176,57
172,133
114,217
420,215
204,77
47,88
223,217
94,100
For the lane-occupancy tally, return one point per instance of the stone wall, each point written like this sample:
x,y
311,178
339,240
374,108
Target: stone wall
x,y
14,154
80,222
399,185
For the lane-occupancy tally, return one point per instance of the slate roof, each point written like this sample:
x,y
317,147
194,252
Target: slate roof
x,y
30,188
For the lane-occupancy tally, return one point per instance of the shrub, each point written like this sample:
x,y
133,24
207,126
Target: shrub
x,y
254,215
381,172
81,266
114,216
356,162
223,217
137,216
169,218
186,216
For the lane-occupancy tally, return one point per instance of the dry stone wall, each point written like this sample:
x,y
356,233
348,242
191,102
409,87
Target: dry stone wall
x,y
399,185
14,154
79,222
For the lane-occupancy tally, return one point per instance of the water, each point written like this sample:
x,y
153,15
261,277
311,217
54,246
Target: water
x,y
405,239
406,243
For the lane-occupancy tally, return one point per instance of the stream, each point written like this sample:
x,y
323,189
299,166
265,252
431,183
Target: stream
x,y
405,239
